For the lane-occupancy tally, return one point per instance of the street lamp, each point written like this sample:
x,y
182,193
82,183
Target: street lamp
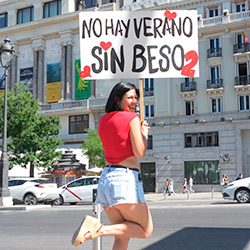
x,y
6,55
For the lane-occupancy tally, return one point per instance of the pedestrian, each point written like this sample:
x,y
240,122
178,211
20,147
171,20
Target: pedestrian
x,y
185,186
190,184
167,187
171,186
239,177
120,190
224,180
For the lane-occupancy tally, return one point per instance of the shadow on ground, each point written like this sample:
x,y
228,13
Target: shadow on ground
x,y
200,238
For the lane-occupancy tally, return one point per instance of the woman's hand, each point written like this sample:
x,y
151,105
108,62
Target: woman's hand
x,y
144,129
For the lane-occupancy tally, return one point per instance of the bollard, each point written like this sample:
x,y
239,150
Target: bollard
x,y
212,192
97,244
188,194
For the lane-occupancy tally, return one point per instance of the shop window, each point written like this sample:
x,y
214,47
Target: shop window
x,y
203,172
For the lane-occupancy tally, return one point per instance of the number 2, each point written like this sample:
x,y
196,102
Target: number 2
x,y
187,69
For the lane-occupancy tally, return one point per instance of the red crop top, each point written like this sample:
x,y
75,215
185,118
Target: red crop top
x,y
114,133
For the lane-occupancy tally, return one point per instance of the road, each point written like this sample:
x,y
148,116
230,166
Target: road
x,y
187,225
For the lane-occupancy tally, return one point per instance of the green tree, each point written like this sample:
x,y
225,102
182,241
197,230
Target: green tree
x,y
32,139
92,147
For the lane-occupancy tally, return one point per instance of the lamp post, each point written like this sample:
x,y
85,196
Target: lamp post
x,y
6,55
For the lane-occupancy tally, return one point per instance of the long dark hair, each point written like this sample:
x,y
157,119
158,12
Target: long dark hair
x,y
116,95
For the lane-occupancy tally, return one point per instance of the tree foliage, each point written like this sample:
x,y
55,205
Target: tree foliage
x,y
92,147
32,139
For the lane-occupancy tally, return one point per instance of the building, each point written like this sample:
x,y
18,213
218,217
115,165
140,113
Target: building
x,y
199,127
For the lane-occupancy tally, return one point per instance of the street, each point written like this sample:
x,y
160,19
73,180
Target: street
x,y
189,225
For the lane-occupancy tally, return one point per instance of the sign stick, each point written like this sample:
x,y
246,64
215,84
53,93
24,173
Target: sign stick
x,y
141,99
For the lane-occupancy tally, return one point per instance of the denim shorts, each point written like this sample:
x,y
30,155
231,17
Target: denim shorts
x,y
119,186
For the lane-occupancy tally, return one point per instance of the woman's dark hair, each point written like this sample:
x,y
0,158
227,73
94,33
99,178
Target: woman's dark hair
x,y
116,94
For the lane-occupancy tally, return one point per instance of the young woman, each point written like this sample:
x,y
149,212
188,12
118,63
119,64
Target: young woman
x,y
120,191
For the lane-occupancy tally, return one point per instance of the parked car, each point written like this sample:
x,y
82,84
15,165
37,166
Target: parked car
x,y
78,191
30,191
238,190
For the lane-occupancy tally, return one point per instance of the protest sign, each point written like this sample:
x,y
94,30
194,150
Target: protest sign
x,y
139,44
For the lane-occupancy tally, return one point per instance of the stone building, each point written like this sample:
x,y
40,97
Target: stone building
x,y
200,127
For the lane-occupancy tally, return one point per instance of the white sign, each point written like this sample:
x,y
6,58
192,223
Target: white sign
x,y
141,44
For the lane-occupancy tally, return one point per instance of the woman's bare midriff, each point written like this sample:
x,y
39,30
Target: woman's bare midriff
x,y
130,162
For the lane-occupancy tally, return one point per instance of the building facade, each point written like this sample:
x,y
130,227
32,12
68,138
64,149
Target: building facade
x,y
200,127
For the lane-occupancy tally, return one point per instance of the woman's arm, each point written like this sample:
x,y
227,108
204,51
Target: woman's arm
x,y
139,136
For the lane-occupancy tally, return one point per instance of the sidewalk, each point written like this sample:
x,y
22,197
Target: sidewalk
x,y
199,196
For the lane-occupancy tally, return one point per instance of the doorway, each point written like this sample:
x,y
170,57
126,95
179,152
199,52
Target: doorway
x,y
148,176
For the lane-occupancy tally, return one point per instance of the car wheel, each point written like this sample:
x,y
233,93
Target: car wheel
x,y
72,203
30,199
242,196
58,201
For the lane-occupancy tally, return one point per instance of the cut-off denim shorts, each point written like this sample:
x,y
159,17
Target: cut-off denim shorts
x,y
119,185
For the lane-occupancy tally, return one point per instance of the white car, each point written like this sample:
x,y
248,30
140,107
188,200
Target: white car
x,y
78,191
238,190
30,191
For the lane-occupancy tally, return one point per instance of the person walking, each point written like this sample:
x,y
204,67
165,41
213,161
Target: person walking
x,y
190,184
184,185
120,189
171,186
167,187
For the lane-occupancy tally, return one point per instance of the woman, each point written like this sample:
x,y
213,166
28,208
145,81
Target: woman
x,y
120,192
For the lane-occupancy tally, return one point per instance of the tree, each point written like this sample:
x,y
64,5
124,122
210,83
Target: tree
x,y
32,139
92,147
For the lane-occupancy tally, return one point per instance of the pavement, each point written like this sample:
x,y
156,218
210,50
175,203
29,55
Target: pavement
x,y
199,197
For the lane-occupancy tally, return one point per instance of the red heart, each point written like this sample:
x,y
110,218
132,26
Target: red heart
x,y
85,72
106,46
170,15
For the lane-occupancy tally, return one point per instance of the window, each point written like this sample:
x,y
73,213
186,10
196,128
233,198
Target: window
x,y
215,72
149,111
208,139
148,86
80,4
216,104
240,7
25,15
203,172
189,107
107,1
150,142
213,12
214,46
243,102
3,20
78,124
52,9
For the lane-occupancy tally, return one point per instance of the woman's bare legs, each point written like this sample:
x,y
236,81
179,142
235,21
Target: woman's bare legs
x,y
127,220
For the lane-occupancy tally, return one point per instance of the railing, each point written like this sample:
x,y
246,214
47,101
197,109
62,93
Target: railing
x,y
214,83
148,91
188,86
212,20
242,80
214,52
241,48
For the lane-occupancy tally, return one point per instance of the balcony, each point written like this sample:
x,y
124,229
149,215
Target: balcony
x,y
215,86
148,92
188,89
242,83
241,48
214,52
